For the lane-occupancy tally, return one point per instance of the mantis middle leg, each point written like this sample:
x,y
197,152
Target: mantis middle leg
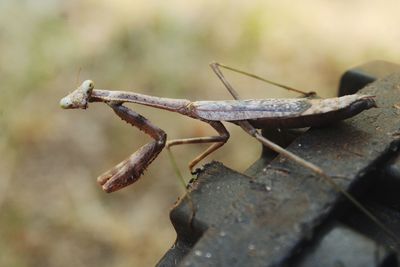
x,y
130,169
218,141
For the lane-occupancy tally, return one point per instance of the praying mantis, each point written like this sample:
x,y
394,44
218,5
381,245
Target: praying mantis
x,y
250,115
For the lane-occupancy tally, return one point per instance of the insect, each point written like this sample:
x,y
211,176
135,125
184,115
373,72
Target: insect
x,y
250,115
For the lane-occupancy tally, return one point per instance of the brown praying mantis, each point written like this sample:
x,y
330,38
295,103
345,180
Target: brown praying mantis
x,y
250,115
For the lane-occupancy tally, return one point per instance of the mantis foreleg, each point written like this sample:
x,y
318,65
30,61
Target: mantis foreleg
x,y
129,170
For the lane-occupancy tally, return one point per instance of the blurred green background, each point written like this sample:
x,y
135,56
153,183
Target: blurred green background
x,y
52,213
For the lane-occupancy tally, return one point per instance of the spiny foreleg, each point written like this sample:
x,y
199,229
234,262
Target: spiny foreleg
x,y
130,170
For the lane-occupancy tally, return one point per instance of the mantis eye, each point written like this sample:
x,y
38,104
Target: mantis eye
x,y
87,86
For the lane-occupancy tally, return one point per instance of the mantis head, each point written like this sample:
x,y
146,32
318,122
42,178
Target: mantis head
x,y
78,98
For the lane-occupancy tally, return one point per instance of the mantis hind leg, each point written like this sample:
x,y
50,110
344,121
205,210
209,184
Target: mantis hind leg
x,y
216,67
130,169
248,128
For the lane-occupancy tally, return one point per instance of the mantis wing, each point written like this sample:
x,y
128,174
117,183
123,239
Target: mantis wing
x,y
234,110
237,110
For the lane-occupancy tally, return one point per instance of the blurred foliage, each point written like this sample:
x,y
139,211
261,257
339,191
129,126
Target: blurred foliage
x,y
52,213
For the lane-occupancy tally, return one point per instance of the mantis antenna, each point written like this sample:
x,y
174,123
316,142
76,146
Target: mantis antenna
x,y
78,76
